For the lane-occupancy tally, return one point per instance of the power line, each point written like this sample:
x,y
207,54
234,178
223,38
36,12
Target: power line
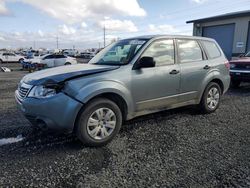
x,y
176,14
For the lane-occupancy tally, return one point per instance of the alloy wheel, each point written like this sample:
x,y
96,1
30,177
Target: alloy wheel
x,y
213,98
101,123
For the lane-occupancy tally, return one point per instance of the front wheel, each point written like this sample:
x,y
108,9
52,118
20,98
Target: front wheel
x,y
68,63
99,122
211,98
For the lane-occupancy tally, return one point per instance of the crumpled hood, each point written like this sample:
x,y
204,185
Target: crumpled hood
x,y
64,73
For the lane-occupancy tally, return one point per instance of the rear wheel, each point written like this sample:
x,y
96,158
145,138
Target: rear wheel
x,y
1,61
211,98
68,63
99,122
235,83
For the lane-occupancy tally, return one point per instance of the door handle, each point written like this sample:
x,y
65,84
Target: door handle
x,y
174,72
206,67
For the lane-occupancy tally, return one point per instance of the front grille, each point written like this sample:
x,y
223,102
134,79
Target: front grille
x,y
242,66
23,90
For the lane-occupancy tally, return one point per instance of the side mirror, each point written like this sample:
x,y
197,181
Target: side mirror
x,y
146,62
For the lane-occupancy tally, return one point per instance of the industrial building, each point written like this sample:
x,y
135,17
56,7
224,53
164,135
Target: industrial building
x,y
231,31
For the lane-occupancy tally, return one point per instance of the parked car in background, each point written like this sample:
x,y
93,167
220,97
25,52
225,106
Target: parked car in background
x,y
148,74
69,52
54,60
240,70
84,57
88,55
8,57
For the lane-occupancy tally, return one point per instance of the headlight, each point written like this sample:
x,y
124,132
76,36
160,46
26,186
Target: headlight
x,y
42,92
232,66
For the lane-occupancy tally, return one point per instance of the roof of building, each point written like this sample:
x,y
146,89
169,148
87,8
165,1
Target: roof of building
x,y
222,17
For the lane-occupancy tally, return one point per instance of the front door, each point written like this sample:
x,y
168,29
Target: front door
x,y
157,87
49,60
6,57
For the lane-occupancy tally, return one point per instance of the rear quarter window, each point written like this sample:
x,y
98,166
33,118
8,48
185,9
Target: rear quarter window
x,y
211,49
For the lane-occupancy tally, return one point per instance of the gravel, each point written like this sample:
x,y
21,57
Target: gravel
x,y
176,148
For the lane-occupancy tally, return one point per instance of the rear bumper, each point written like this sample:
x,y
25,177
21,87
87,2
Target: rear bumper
x,y
241,75
58,112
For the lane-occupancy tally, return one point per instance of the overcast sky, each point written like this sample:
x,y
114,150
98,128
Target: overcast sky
x,y
79,23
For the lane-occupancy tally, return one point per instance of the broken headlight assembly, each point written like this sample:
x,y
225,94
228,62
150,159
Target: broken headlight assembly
x,y
43,91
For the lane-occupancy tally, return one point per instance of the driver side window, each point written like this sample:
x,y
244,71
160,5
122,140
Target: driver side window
x,y
162,51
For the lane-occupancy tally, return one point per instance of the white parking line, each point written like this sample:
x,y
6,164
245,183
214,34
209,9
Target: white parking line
x,y
5,141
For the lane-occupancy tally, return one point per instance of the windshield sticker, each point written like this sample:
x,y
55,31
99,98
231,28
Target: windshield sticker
x,y
136,42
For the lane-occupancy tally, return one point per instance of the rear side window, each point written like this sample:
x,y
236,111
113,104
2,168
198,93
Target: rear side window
x,y
189,51
60,56
162,51
212,49
49,57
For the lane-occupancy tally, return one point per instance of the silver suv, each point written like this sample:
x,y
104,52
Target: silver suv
x,y
129,78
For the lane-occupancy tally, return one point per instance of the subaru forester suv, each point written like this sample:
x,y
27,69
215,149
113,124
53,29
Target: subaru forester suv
x,y
129,78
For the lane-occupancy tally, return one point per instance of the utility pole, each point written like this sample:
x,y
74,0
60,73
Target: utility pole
x,y
104,35
57,46
34,45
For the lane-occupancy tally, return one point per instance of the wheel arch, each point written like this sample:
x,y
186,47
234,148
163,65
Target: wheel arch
x,y
114,97
212,79
220,83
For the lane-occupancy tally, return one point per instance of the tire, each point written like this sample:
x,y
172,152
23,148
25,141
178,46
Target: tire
x,y
68,63
1,61
235,83
92,133
210,107
19,61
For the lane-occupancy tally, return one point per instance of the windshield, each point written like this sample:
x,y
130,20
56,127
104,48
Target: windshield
x,y
119,53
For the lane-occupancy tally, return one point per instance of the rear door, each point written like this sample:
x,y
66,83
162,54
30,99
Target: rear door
x,y
194,68
13,57
60,60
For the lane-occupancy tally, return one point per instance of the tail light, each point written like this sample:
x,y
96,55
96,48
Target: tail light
x,y
227,65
